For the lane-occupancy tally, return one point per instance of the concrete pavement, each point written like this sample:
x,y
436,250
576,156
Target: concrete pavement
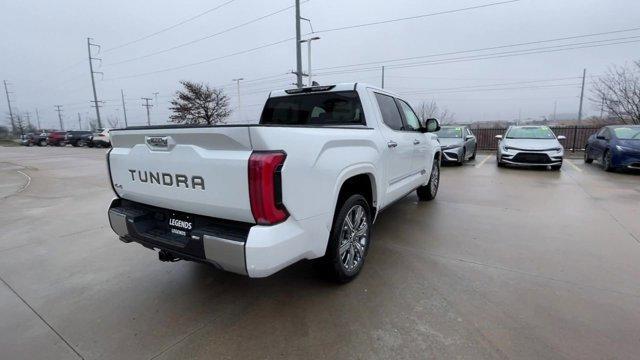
x,y
505,263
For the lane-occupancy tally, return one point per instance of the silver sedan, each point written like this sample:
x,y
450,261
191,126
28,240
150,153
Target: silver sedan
x,y
457,143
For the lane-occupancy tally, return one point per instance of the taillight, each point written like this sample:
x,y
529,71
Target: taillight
x,y
265,187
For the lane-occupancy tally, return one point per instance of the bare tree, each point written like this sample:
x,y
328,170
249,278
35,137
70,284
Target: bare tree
x,y
618,92
428,110
198,103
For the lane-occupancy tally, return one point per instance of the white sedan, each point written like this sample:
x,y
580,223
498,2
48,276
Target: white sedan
x,y
530,146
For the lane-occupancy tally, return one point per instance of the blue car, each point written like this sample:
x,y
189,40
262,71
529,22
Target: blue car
x,y
615,146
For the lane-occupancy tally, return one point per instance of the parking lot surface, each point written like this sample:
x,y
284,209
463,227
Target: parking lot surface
x,y
505,263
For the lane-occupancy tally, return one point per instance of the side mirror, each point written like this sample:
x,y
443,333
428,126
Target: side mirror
x,y
468,137
562,137
431,125
499,137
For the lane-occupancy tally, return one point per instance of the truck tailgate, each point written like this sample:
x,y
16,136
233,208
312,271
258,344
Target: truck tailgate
x,y
194,170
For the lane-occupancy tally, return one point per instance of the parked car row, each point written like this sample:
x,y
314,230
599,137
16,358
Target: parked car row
x,y
614,146
75,138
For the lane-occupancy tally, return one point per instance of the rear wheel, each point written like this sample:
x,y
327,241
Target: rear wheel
x,y
42,143
587,159
428,192
80,143
349,240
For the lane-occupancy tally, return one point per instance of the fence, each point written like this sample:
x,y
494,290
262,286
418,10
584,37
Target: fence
x,y
576,136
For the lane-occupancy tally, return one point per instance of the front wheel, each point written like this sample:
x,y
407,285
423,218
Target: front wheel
x,y
607,161
464,155
428,192
475,150
349,240
587,159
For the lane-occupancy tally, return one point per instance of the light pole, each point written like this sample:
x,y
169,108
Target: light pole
x,y
308,41
239,103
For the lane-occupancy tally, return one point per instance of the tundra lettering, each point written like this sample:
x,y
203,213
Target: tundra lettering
x,y
167,179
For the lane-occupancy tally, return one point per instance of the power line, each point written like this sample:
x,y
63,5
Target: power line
x,y
416,16
170,27
540,50
493,85
483,49
490,89
202,38
203,61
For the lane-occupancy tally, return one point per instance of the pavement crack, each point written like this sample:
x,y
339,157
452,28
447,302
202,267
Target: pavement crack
x,y
41,318
169,347
633,236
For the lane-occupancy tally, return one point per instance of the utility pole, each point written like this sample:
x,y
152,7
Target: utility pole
x,y
38,119
124,109
308,41
59,110
298,48
79,122
382,76
147,105
239,103
93,81
6,91
575,131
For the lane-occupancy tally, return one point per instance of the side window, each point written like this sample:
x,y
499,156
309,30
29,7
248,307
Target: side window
x,y
607,134
389,110
601,132
409,116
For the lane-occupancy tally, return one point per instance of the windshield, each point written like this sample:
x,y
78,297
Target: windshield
x,y
627,132
452,132
530,132
333,108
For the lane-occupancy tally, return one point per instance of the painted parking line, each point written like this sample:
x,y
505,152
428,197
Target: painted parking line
x,y
483,161
573,165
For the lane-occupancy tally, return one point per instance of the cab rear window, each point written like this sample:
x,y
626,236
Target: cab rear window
x,y
329,108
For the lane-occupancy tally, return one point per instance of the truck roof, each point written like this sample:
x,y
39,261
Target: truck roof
x,y
324,88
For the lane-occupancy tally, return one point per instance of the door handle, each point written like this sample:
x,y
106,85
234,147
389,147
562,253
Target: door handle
x,y
392,144
416,142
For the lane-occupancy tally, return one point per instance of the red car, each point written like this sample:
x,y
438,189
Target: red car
x,y
57,138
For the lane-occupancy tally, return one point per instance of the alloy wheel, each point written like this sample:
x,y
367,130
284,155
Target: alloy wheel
x,y
354,238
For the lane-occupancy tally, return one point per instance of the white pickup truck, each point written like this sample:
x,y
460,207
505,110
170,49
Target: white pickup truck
x,y
307,182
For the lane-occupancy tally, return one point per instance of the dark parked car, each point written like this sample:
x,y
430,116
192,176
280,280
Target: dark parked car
x,y
615,146
57,138
79,138
41,140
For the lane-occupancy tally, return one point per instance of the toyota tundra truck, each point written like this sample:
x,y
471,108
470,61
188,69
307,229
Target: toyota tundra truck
x,y
306,182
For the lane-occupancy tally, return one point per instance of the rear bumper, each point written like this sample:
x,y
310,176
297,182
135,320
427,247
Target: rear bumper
x,y
246,249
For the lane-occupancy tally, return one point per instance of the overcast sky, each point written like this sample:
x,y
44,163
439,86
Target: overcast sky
x,y
43,52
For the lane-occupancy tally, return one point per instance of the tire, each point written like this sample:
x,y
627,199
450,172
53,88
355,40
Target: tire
x,y
74,144
80,143
42,143
556,167
343,265
500,163
428,192
587,159
464,155
90,144
475,150
606,161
